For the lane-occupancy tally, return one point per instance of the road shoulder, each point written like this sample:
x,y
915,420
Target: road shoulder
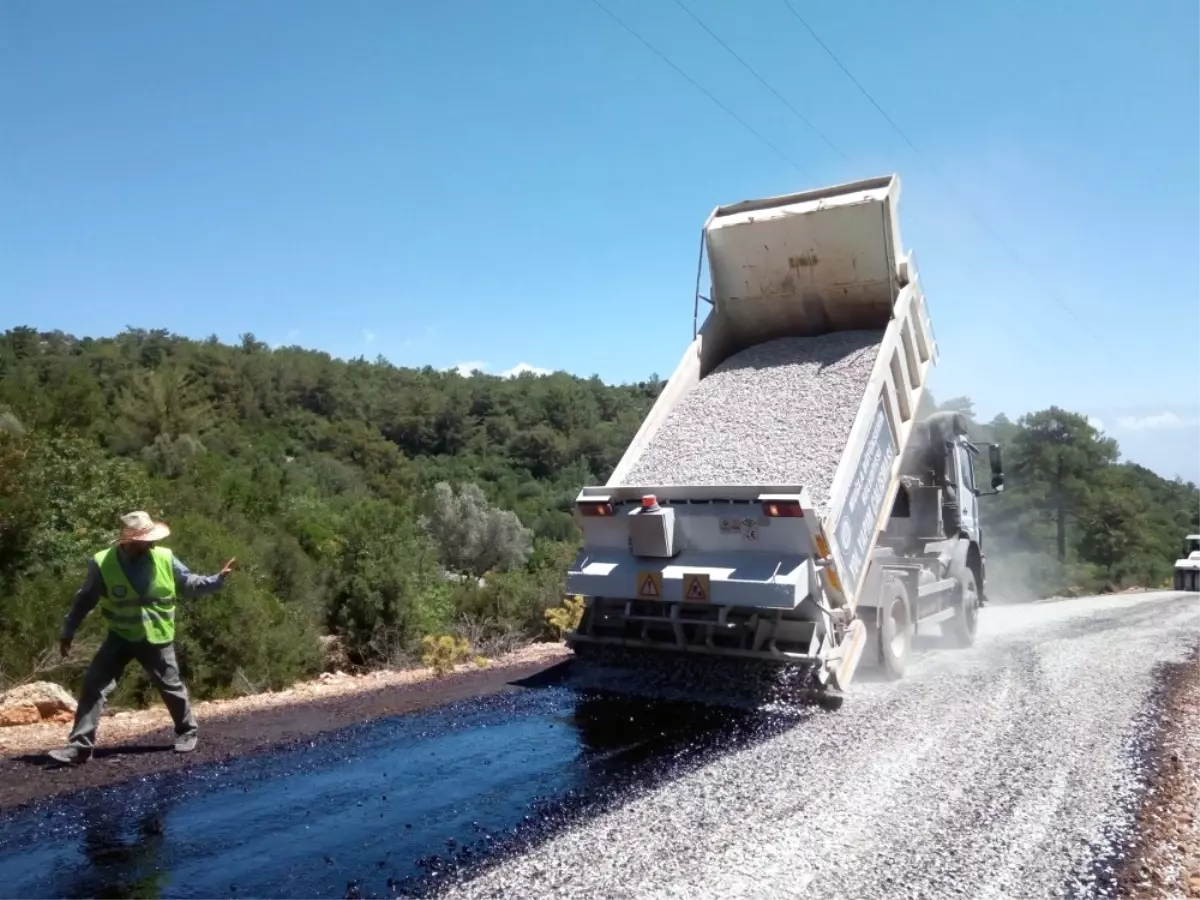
x,y
1165,858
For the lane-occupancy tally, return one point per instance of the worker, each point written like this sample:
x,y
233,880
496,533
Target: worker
x,y
135,583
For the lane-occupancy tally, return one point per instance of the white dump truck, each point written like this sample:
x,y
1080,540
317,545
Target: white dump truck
x,y
1187,569
781,502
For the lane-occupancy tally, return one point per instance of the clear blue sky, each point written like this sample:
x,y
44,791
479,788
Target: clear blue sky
x,y
524,182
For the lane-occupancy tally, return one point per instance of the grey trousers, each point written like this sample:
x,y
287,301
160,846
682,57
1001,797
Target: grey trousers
x,y
106,670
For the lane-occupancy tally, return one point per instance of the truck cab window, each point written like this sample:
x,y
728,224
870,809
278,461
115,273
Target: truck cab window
x,y
968,469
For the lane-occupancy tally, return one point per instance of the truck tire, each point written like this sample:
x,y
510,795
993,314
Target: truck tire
x,y
895,629
966,613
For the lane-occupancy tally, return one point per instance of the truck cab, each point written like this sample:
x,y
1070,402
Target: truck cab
x,y
932,545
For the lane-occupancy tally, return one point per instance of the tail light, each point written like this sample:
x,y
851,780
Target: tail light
x,y
783,509
594,508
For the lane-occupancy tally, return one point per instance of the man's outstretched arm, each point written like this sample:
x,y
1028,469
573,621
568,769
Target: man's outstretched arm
x,y
190,585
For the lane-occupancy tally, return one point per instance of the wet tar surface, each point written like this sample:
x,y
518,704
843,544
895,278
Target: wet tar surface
x,y
391,808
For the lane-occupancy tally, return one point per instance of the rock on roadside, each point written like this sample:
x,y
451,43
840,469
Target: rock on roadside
x,y
40,701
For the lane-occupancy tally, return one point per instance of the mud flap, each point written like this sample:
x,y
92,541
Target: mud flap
x,y
853,643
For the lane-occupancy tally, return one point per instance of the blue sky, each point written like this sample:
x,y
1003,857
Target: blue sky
x,y
524,182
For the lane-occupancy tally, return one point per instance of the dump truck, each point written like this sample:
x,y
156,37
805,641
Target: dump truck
x,y
1187,569
783,502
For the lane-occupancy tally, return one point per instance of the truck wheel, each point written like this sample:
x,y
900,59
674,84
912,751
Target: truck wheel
x,y
966,614
895,629
1178,580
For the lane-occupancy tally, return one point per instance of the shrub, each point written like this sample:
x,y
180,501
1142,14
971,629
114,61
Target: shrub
x,y
442,653
566,618
385,588
471,536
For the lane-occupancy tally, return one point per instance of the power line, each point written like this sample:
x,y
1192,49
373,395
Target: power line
x,y
946,182
690,80
745,65
816,37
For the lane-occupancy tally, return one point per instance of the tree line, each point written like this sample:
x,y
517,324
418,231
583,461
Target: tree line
x,y
371,506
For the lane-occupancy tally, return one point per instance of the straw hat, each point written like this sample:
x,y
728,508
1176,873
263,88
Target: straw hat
x,y
138,526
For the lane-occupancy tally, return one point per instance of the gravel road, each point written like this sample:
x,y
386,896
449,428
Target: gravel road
x,y
1007,771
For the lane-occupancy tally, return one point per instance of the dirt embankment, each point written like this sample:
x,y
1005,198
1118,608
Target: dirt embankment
x,y
139,742
1165,860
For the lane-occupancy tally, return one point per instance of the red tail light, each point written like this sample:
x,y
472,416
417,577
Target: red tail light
x,y
600,508
783,509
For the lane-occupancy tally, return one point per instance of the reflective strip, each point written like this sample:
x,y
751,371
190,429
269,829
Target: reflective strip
x,y
135,617
136,602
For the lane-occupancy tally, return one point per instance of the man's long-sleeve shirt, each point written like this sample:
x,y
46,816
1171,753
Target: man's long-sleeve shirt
x,y
140,571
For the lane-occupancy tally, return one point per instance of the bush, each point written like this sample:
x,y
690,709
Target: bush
x,y
566,618
386,590
442,653
31,614
471,536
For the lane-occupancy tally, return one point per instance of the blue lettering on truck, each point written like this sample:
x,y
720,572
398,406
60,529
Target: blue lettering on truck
x,y
865,499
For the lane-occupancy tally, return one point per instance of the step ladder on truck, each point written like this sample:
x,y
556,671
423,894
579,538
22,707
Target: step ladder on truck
x,y
790,576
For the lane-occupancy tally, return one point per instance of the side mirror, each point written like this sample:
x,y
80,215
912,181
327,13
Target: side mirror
x,y
997,466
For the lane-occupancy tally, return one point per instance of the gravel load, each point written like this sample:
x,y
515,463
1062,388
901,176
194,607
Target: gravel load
x,y
776,413
1011,770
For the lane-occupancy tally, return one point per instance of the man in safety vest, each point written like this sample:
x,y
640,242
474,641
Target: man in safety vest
x,y
135,584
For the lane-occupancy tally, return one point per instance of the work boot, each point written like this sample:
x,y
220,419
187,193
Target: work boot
x,y
186,743
69,755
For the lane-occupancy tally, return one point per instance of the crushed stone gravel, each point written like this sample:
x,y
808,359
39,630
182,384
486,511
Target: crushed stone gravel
x,y
776,413
1009,770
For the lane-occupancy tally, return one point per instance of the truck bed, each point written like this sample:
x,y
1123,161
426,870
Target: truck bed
x,y
744,422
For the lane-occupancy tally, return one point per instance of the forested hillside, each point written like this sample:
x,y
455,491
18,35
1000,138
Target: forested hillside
x,y
379,504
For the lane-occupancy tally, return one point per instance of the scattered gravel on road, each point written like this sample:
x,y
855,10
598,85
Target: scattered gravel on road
x,y
776,413
1011,770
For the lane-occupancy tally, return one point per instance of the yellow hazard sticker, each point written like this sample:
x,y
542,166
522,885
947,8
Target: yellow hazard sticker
x,y
696,588
649,585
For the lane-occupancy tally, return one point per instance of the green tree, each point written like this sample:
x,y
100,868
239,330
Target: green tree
x,y
470,536
1054,458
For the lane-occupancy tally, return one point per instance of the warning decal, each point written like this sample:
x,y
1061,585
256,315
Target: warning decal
x,y
649,585
695,588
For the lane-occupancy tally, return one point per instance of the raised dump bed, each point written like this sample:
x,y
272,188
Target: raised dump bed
x,y
744,516
811,363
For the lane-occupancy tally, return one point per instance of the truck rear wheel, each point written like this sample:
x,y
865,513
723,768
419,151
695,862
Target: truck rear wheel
x,y
966,613
895,629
